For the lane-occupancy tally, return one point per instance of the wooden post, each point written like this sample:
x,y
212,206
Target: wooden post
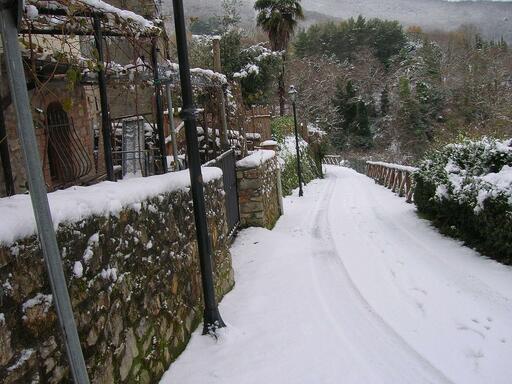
x,y
106,126
217,66
159,108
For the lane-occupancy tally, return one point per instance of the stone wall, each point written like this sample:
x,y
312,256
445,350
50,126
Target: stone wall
x,y
135,287
258,190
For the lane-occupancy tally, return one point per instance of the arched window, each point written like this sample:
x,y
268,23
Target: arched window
x,y
68,154
60,155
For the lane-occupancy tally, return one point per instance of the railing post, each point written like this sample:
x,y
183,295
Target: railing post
x,y
45,228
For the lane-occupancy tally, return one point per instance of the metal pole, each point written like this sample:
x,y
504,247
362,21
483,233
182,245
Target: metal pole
x,y
299,170
159,109
106,126
172,127
38,195
212,318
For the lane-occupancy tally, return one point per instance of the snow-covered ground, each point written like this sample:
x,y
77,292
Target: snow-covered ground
x,y
352,287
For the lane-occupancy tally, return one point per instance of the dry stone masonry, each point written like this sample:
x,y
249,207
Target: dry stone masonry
x,y
258,190
134,283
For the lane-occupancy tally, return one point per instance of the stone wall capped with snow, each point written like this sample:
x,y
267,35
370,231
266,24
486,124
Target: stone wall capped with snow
x,y
258,192
134,281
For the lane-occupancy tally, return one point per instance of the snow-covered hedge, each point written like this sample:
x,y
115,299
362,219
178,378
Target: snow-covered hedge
x,y
288,162
466,189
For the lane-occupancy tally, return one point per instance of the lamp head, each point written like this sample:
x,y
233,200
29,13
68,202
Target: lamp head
x,y
292,92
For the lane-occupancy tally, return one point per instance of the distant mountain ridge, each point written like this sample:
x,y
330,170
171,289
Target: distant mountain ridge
x,y
493,18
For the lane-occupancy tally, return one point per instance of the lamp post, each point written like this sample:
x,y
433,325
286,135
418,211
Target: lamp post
x,y
293,98
212,318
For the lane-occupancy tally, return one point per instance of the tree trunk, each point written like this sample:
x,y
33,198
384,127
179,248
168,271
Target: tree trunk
x,y
281,89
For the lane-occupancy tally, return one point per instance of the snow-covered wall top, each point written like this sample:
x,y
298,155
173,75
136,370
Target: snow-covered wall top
x,y
256,159
103,199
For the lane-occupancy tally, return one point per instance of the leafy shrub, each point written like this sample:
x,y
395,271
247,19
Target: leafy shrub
x,y
289,176
281,127
466,189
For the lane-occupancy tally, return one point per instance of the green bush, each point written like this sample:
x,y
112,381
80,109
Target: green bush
x,y
289,177
466,190
281,127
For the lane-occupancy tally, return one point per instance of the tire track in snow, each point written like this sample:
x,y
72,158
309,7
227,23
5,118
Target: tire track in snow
x,y
355,322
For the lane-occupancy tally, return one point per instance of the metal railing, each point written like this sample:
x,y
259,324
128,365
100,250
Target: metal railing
x,y
227,162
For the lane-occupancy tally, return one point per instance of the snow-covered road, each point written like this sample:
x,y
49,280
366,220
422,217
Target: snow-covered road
x,y
352,287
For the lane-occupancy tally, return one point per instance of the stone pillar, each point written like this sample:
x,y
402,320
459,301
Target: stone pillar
x,y
259,190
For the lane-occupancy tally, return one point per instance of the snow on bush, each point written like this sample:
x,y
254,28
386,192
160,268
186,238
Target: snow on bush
x,y
466,189
471,172
288,163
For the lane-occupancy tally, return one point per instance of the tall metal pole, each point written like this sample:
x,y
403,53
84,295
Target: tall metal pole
x,y
159,108
106,126
299,169
38,195
212,318
172,127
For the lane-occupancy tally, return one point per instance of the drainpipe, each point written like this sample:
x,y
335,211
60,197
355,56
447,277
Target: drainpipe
x,y
212,318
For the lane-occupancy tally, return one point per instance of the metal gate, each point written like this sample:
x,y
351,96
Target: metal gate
x,y
227,162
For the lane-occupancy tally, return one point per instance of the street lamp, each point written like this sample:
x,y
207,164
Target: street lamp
x,y
212,318
293,98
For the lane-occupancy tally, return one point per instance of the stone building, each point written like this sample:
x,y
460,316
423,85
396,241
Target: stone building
x,y
65,119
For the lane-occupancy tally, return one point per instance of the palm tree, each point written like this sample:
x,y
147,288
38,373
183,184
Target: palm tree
x,y
279,19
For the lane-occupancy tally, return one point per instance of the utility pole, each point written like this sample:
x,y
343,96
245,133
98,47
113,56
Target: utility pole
x,y
9,12
212,318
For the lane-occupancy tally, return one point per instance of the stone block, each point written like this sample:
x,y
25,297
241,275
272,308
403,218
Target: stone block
x,y
6,351
130,353
252,207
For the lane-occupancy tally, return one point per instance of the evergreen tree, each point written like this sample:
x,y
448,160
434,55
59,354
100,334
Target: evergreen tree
x,y
279,19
